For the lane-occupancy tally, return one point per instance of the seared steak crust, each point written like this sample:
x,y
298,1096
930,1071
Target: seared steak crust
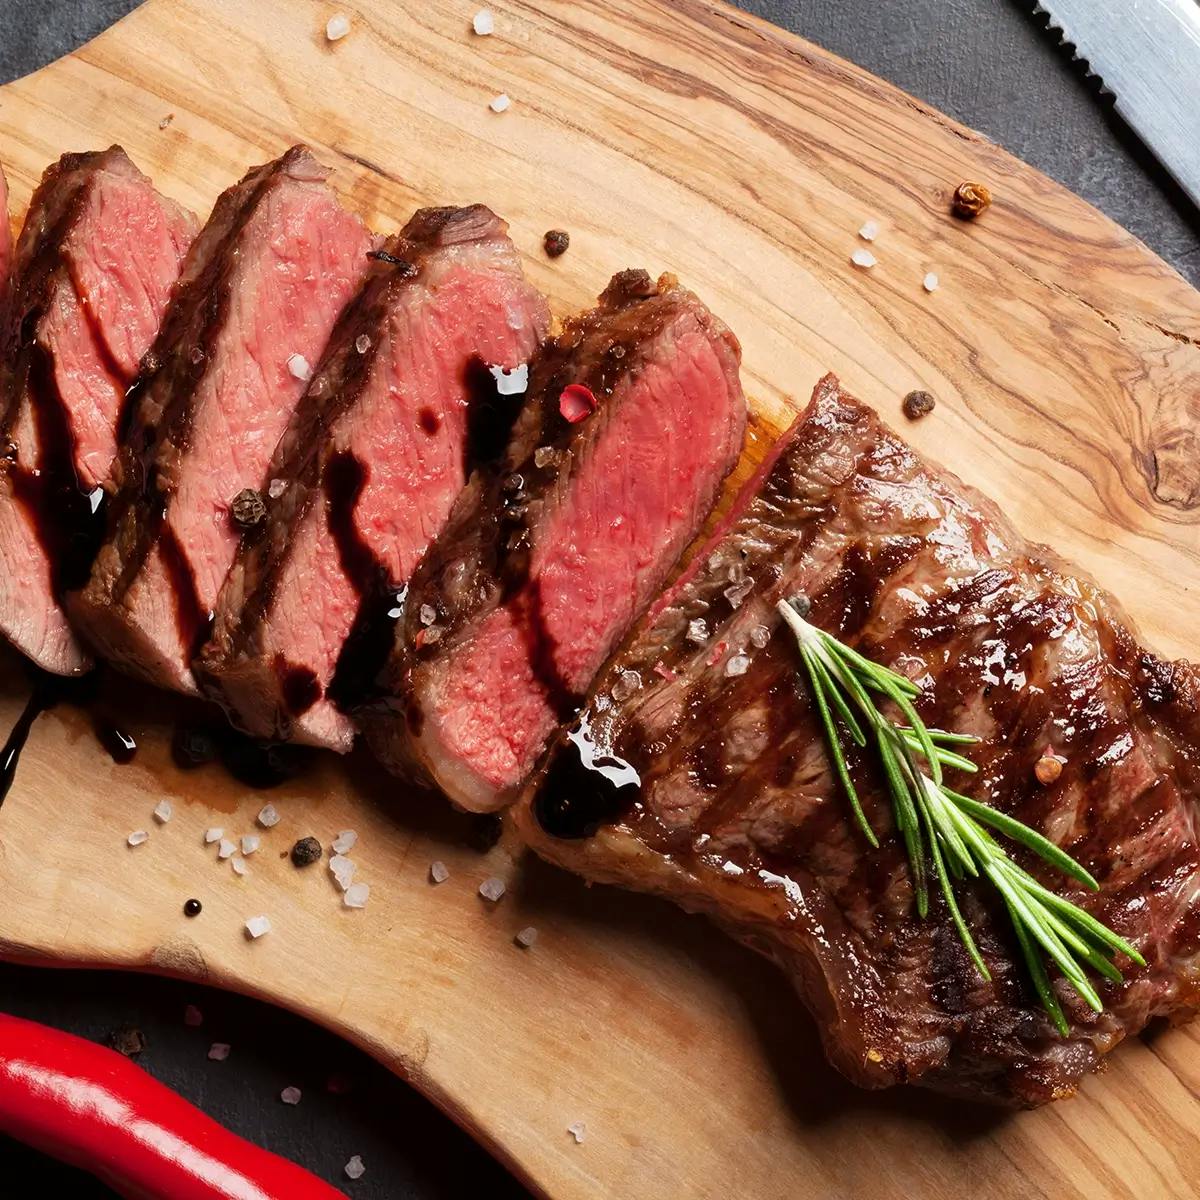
x,y
367,471
547,560
737,814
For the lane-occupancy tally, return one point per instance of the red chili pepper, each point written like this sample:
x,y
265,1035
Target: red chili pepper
x,y
93,1108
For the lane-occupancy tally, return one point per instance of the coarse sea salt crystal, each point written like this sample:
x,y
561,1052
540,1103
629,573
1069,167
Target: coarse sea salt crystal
x,y
214,835
276,488
250,843
578,1130
863,258
500,103
226,849
511,383
354,1168
362,343
738,664
526,937
627,683
492,888
345,841
483,22
342,869
735,593
218,1051
697,631
545,456
239,866
137,837
163,811
930,282
357,895
268,816
290,1095
760,635
257,926
337,27
439,872
193,1017
428,614
869,231
297,364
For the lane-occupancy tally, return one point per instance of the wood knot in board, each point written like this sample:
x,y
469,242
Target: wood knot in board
x,y
1172,469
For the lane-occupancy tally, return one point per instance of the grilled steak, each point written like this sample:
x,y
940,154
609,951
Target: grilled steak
x,y
548,560
373,460
261,289
92,272
698,769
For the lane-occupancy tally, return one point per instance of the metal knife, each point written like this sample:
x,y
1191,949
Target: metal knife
x,y
1147,53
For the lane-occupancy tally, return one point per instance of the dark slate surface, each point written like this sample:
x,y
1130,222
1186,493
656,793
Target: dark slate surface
x,y
982,61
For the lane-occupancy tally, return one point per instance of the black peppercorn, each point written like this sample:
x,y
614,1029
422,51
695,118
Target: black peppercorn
x,y
248,509
556,242
918,404
128,1040
191,908
306,852
193,746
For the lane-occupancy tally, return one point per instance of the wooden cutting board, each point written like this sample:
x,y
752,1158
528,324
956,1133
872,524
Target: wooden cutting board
x,y
681,136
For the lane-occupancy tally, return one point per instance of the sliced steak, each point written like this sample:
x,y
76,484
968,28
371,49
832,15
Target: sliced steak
x,y
698,769
261,288
548,560
92,273
367,471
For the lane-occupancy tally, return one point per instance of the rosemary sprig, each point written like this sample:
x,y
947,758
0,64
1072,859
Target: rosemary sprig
x,y
946,834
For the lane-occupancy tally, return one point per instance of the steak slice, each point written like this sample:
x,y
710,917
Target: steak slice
x,y
261,288
369,467
699,771
92,273
549,559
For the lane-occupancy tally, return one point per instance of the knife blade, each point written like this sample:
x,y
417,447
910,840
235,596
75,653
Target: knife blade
x,y
1147,54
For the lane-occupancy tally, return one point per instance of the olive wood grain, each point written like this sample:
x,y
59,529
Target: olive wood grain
x,y
685,136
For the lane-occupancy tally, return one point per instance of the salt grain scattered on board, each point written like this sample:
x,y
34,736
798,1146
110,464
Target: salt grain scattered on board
x,y
578,1130
342,869
218,1051
354,1168
290,1095
357,895
226,849
250,843
870,231
257,926
337,27
193,1017
439,872
213,835
527,937
268,816
930,282
239,866
344,842
500,103
137,837
163,811
492,888
483,22
863,258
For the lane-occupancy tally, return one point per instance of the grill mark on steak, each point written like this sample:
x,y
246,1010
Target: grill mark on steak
x,y
737,813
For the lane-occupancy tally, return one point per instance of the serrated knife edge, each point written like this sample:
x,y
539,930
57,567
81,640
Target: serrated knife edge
x,y
1147,54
